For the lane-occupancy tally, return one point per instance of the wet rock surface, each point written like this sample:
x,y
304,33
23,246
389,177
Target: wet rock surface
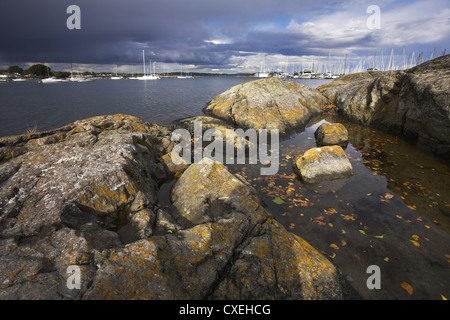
x,y
323,164
330,134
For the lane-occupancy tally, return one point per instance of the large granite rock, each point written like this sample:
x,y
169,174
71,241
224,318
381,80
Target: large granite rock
x,y
86,195
321,164
330,134
413,102
269,103
227,246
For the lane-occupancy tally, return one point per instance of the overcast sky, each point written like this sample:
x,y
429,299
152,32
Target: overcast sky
x,y
215,35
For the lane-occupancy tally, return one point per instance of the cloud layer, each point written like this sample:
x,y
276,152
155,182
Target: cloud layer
x,y
226,35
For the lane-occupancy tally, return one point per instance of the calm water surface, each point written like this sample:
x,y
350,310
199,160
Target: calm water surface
x,y
393,212
24,105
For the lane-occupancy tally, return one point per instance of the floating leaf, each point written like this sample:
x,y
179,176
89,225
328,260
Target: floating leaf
x,y
388,196
386,259
436,222
363,232
415,243
278,200
407,287
334,246
415,237
443,298
379,237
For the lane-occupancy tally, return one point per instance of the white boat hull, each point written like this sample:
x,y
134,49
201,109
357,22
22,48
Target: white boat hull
x,y
148,78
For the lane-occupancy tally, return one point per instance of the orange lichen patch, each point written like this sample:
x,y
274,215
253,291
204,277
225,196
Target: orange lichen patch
x,y
315,154
335,128
221,109
329,107
117,281
292,115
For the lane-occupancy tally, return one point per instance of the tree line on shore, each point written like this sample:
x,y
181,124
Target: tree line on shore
x,y
40,71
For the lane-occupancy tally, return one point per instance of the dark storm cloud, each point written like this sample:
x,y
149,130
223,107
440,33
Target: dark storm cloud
x,y
116,31
213,33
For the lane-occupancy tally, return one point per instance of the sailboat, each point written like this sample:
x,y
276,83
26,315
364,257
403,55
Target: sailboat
x,y
50,79
146,76
116,77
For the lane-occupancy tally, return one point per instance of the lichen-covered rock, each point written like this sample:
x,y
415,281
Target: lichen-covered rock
x,y
227,246
66,196
330,134
325,163
413,102
268,104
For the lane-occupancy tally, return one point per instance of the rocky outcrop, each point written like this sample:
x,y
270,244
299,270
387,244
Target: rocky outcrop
x,y
86,195
227,246
268,104
325,163
330,134
413,102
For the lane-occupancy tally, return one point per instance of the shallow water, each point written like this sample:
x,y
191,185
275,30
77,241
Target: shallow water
x,y
388,214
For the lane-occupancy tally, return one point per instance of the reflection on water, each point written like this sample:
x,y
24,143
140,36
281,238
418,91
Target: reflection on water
x,y
390,213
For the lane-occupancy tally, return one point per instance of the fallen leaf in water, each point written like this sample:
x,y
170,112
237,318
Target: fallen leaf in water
x,y
330,211
407,287
415,243
363,232
386,259
278,200
443,298
319,221
348,217
343,243
400,217
334,246
415,237
436,222
356,256
388,196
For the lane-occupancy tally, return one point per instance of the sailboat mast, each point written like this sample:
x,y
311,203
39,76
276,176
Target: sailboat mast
x,y
143,59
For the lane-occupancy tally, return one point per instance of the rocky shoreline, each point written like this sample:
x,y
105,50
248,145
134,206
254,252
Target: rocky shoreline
x,y
66,196
414,103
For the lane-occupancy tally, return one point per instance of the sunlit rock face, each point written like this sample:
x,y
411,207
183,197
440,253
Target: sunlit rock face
x,y
268,104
